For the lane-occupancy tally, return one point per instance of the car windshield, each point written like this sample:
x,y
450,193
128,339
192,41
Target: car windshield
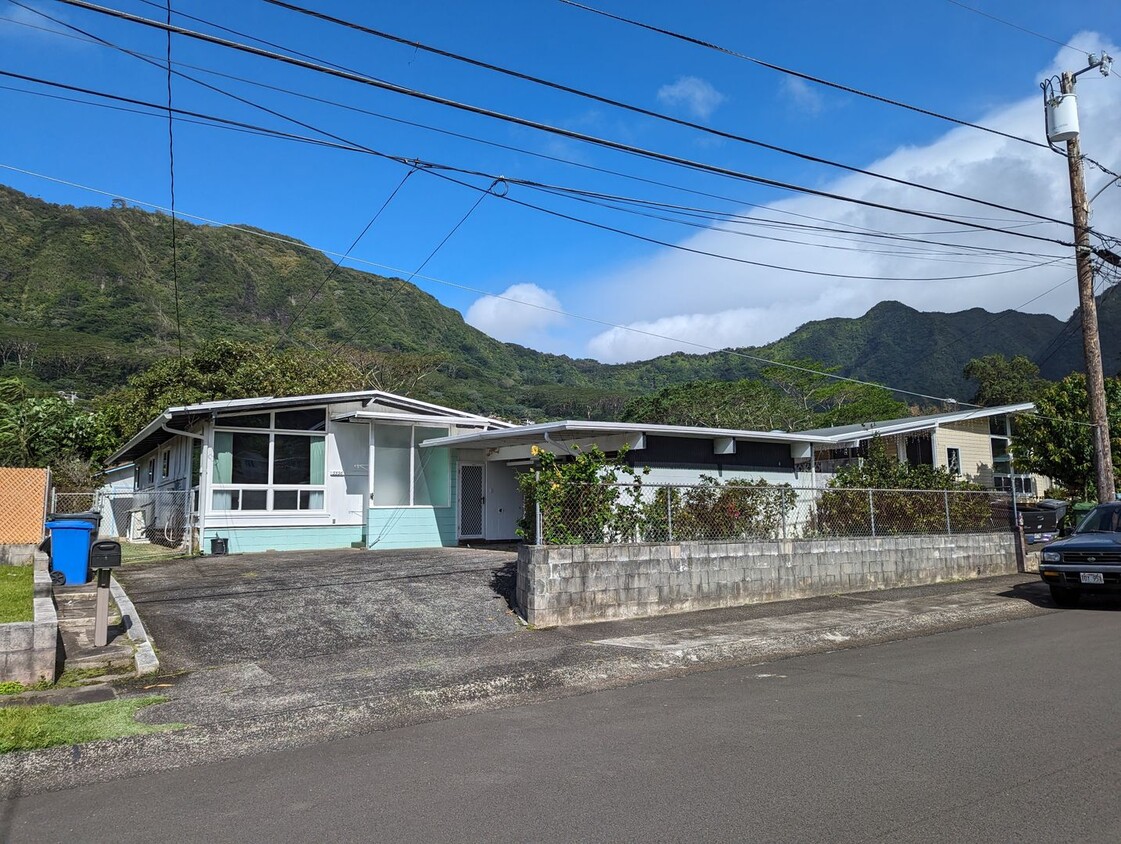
x,y
1101,520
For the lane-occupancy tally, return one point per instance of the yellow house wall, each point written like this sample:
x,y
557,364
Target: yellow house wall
x,y
971,437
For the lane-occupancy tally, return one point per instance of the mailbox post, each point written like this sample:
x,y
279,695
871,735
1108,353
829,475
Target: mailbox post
x,y
104,557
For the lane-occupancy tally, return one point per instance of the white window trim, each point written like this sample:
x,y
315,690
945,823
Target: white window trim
x,y
412,425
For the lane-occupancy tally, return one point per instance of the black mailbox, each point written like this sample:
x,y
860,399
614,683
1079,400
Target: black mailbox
x,y
105,554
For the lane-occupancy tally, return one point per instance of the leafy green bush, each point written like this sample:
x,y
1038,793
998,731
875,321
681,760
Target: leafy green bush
x,y
589,499
711,510
883,496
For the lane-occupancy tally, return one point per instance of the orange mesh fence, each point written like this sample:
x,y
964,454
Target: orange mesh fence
x,y
23,505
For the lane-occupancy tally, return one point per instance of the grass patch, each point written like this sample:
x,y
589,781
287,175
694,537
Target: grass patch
x,y
71,678
34,727
16,593
147,552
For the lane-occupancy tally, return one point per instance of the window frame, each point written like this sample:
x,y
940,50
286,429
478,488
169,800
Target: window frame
x,y
412,505
270,487
953,456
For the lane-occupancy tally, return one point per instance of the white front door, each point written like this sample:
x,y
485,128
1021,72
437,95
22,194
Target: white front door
x,y
472,501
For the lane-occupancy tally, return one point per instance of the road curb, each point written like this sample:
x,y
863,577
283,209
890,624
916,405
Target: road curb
x,y
145,655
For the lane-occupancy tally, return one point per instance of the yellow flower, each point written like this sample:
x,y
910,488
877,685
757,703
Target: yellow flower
x,y
534,450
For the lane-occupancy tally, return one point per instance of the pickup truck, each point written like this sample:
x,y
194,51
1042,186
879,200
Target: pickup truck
x,y
1089,560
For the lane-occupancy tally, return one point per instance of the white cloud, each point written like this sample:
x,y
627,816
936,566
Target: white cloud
x,y
693,94
803,96
517,315
718,303
28,24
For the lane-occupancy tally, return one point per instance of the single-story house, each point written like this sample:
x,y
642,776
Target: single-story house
x,y
377,470
309,472
973,444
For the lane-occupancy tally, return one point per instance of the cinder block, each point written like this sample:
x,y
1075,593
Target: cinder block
x,y
20,636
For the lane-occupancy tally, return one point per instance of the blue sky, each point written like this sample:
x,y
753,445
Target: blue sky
x,y
931,53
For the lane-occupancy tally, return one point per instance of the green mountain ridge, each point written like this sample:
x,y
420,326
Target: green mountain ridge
x,y
88,297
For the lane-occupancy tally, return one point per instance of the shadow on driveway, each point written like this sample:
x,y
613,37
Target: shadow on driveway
x,y
1036,592
213,611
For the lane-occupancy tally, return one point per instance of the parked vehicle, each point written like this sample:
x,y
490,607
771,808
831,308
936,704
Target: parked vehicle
x,y
1089,560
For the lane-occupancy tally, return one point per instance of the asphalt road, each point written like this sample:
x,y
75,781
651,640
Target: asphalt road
x,y
1006,732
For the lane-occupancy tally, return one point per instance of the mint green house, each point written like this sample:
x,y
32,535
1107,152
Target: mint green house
x,y
344,470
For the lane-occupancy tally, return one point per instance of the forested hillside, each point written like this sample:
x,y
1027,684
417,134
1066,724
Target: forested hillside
x,y
87,298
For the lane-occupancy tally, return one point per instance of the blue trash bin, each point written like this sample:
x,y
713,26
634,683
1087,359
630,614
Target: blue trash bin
x,y
70,549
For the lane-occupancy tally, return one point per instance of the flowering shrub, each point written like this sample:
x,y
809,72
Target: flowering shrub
x,y
588,499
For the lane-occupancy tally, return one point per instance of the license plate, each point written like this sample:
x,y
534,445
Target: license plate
x,y
1092,577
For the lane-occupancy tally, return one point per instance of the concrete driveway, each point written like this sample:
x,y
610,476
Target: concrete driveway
x,y
307,606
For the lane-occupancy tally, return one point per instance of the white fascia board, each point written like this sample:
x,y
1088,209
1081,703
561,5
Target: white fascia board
x,y
375,416
571,429
926,423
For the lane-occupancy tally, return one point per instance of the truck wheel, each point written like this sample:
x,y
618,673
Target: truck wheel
x,y
1064,597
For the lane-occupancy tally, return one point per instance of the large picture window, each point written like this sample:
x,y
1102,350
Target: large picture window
x,y
277,464
406,475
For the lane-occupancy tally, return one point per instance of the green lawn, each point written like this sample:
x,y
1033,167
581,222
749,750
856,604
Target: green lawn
x,y
16,592
45,725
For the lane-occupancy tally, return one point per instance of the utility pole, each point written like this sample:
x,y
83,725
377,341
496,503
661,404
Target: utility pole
x,y
1088,309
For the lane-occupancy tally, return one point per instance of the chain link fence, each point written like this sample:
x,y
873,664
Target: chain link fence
x,y
594,514
149,524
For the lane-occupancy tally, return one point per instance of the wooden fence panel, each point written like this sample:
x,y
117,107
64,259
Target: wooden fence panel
x,y
23,505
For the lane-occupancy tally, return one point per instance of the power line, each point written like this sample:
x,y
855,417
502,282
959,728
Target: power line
x,y
334,268
436,170
171,179
756,221
1040,35
478,291
481,292
401,282
993,321
570,134
848,89
634,109
759,222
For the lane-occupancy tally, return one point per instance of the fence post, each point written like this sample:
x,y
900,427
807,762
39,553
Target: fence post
x,y
872,512
54,497
946,499
537,510
783,514
669,512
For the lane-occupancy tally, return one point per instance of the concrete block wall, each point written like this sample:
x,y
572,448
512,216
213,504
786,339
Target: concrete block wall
x,y
18,554
563,585
28,648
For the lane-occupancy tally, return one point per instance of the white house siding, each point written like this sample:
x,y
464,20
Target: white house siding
x,y
972,439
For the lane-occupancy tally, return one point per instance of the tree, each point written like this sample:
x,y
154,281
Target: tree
x,y
222,369
1003,381
789,399
1057,440
746,404
823,401
45,430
